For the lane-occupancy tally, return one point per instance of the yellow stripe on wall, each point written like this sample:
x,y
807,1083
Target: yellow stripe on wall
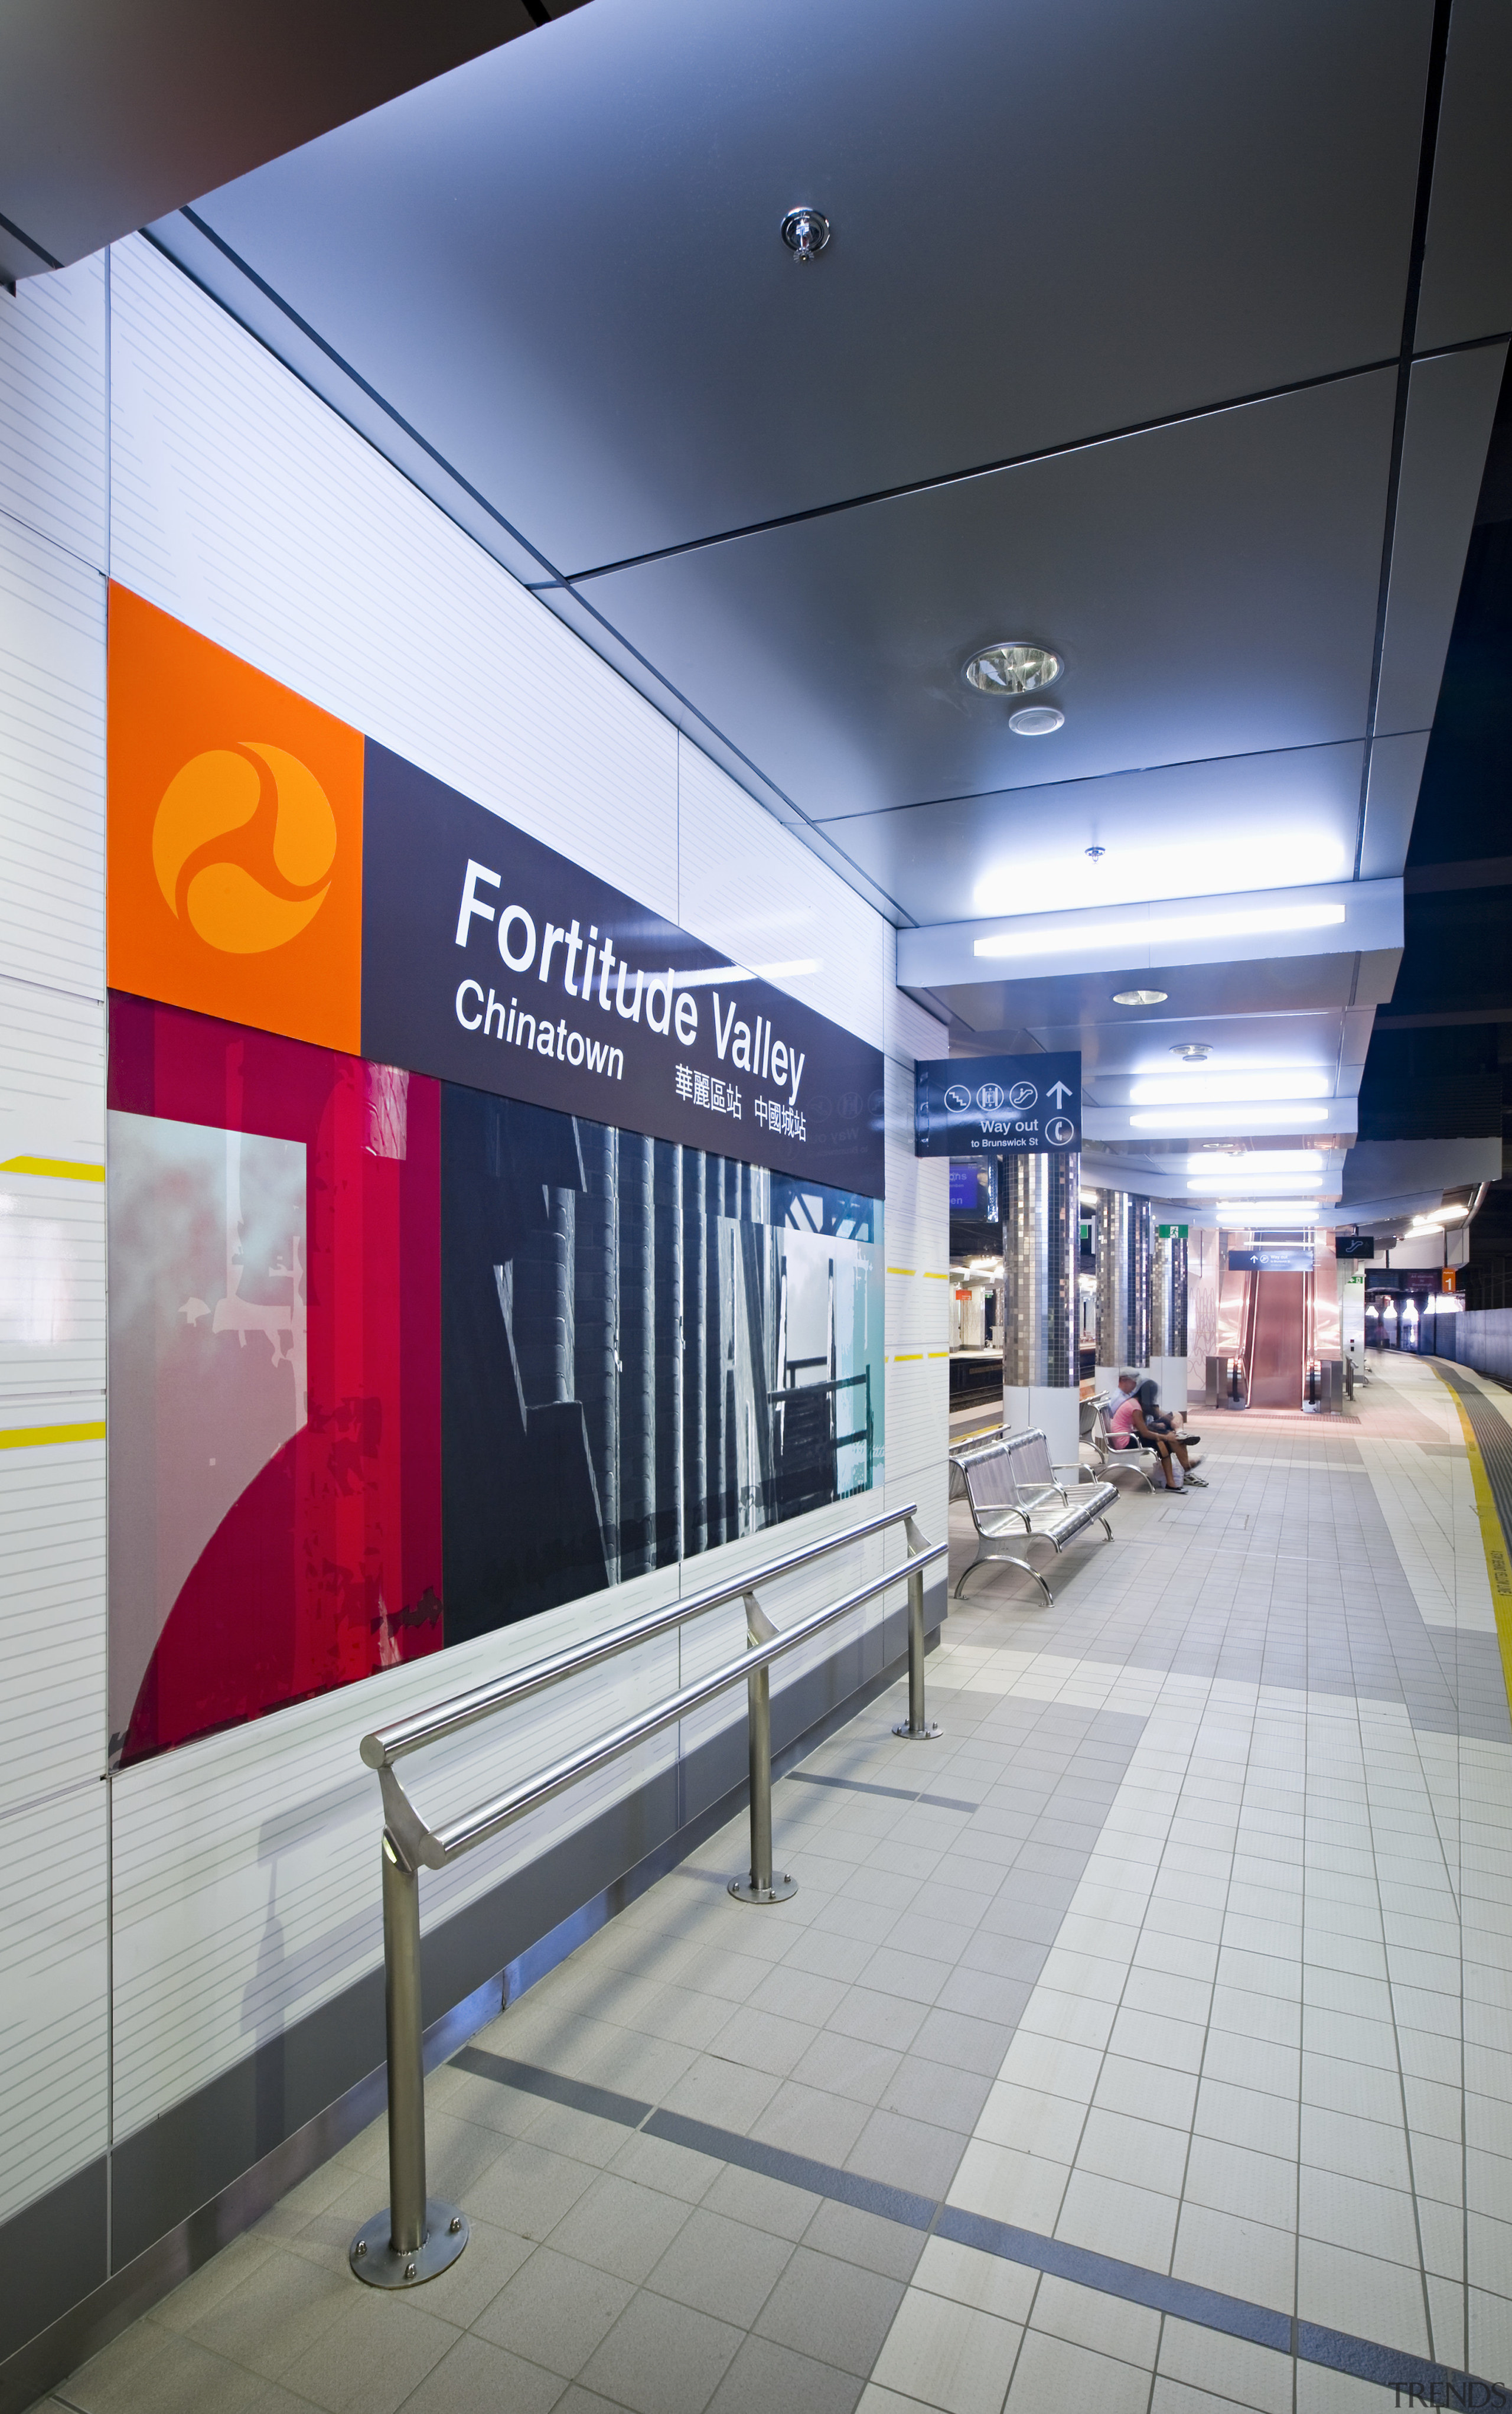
x,y
900,1270
56,1169
35,1437
1493,1541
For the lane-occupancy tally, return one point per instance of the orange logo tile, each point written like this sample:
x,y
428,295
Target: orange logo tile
x,y
235,837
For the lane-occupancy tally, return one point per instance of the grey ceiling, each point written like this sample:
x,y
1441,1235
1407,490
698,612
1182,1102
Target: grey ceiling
x,y
1118,344
110,113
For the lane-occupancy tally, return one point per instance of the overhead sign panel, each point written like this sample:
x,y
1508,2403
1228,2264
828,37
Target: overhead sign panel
x,y
997,1106
1279,1260
1354,1244
273,867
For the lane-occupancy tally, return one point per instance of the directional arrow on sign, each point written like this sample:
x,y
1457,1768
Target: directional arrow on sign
x,y
1057,1090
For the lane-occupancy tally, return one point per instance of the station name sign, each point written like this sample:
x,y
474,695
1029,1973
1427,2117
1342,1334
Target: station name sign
x,y
489,959
275,867
997,1106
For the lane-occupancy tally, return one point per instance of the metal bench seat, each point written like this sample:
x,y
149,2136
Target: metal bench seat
x,y
1002,1482
1113,1459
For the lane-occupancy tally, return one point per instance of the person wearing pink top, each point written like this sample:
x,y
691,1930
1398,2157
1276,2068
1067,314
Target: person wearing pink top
x,y
1136,1422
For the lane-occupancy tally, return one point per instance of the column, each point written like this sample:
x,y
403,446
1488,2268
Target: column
x,y
1168,1319
1124,1272
1039,1208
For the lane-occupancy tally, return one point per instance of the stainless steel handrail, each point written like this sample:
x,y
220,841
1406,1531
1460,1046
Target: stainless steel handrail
x,y
389,1744
415,2237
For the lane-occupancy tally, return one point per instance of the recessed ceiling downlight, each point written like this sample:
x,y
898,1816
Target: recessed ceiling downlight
x,y
1014,667
1140,996
1036,720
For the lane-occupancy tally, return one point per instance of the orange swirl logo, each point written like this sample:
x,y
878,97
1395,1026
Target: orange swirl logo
x,y
257,890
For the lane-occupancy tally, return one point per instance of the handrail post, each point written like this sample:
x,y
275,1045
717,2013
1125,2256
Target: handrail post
x,y
414,2237
918,1727
763,1884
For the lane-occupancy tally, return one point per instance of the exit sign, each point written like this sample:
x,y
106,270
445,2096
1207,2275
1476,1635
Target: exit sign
x,y
1170,1231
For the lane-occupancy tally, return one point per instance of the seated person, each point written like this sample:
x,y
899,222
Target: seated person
x,y
1136,1422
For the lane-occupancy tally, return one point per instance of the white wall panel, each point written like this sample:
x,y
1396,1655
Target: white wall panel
x,y
53,1508
52,766
52,416
52,1073
243,506
244,1865
54,2048
751,889
51,1292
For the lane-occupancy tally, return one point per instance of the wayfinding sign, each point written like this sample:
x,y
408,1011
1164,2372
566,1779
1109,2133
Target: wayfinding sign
x,y
1284,1259
997,1106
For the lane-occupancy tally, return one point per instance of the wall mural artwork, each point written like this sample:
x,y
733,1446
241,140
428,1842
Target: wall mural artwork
x,y
409,1344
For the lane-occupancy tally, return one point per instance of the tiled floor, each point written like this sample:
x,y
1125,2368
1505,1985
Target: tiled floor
x,y
1146,2042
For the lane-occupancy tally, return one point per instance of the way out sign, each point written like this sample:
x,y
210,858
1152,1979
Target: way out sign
x,y
997,1106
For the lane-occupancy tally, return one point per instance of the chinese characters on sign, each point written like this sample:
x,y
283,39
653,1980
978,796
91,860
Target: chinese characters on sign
x,y
705,1090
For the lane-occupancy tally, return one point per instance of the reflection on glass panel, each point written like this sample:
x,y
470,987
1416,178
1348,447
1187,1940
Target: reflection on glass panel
x,y
394,1363
647,1351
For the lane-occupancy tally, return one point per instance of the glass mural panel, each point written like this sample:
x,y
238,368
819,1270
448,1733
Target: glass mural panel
x,y
396,1363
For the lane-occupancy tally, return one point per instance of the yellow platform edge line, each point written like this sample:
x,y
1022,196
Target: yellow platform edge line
x,y
56,1169
36,1436
1493,1540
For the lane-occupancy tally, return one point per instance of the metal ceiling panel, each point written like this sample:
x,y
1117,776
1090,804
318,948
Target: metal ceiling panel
x,y
1211,587
1180,830
1275,986
563,261
110,115
1451,403
1467,260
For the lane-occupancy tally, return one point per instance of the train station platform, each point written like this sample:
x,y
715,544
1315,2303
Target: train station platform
x,y
1144,2043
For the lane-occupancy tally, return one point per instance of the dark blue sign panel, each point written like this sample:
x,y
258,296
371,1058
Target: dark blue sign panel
x,y
1285,1261
1354,1244
997,1106
489,959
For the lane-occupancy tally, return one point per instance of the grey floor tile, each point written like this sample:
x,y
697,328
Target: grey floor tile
x,y
373,2356
767,2378
621,2227
278,2313
662,2358
474,2377
721,2267
864,2238
835,2312
554,2312
765,2203
152,2370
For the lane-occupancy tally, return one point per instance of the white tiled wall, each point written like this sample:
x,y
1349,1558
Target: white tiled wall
x,y
54,2098
242,1891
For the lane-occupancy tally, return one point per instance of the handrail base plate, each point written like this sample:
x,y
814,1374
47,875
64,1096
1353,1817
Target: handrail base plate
x,y
779,1891
373,2259
925,1733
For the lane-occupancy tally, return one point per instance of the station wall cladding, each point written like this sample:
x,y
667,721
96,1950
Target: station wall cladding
x,y
411,1325
478,1238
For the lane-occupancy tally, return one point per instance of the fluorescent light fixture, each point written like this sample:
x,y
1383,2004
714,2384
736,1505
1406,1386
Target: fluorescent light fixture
x,y
1156,929
1124,870
1210,1185
1140,996
1171,1090
726,975
1251,1211
1178,1122
1245,1165
1433,1218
